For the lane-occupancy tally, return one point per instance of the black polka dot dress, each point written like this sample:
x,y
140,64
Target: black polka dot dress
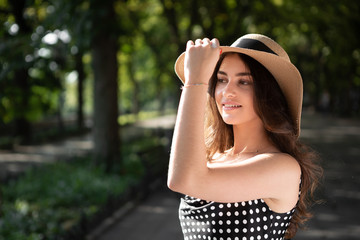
x,y
250,220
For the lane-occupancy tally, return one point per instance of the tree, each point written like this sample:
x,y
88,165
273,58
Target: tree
x,y
104,56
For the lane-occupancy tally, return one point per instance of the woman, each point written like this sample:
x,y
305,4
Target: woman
x,y
235,152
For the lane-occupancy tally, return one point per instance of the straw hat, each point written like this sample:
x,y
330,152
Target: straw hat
x,y
274,58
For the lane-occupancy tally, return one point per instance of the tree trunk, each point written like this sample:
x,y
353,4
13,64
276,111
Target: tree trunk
x,y
105,68
79,65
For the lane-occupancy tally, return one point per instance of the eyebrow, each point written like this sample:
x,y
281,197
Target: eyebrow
x,y
238,74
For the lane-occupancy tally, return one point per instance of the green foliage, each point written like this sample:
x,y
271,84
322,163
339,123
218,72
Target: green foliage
x,y
47,202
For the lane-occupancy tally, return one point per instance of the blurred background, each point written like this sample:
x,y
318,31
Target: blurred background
x,y
88,97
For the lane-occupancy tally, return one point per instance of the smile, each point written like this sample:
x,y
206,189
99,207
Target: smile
x,y
230,106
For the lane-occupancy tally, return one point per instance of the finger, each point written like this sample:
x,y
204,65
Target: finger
x,y
198,42
189,43
206,41
215,43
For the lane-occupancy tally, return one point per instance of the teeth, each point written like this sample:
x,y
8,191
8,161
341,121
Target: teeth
x,y
225,105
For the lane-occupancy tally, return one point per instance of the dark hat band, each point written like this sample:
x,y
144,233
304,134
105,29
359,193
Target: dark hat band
x,y
252,44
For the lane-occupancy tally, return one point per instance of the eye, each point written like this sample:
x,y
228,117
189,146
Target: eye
x,y
221,80
244,82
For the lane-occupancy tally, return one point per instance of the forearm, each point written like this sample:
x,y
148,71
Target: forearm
x,y
188,152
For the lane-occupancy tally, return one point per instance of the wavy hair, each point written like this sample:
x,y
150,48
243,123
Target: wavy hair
x,y
271,106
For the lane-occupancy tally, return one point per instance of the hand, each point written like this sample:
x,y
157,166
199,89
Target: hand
x,y
200,60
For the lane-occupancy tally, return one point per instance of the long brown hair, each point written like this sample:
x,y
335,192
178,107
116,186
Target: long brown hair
x,y
271,106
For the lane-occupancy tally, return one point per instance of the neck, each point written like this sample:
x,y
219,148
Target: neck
x,y
251,138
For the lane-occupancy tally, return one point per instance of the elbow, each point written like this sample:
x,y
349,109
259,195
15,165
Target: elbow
x,y
173,184
179,185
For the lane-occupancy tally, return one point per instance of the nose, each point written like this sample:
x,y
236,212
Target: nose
x,y
228,91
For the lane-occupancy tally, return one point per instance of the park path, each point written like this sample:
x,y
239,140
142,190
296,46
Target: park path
x,y
338,143
16,161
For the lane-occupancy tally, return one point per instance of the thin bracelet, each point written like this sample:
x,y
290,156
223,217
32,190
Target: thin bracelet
x,y
194,84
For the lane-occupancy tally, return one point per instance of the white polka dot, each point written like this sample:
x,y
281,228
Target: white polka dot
x,y
257,210
251,220
244,221
265,227
258,228
243,204
244,212
236,230
279,232
258,219
221,213
256,201
244,230
264,218
236,213
205,209
228,230
264,209
244,238
266,236
252,229
251,238
220,222
228,205
220,230
221,205
250,202
278,217
228,222
237,222
212,207
236,204
251,211
276,224
213,222
214,230
213,214
285,218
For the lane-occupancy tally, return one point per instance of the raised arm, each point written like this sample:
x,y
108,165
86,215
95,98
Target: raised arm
x,y
188,145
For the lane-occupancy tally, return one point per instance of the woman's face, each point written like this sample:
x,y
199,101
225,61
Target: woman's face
x,y
234,92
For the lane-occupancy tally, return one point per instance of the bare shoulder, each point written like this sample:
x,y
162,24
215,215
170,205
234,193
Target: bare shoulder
x,y
288,177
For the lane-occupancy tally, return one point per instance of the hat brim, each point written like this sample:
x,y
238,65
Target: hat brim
x,y
285,73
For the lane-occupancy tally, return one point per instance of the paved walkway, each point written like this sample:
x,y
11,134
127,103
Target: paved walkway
x,y
14,162
337,141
